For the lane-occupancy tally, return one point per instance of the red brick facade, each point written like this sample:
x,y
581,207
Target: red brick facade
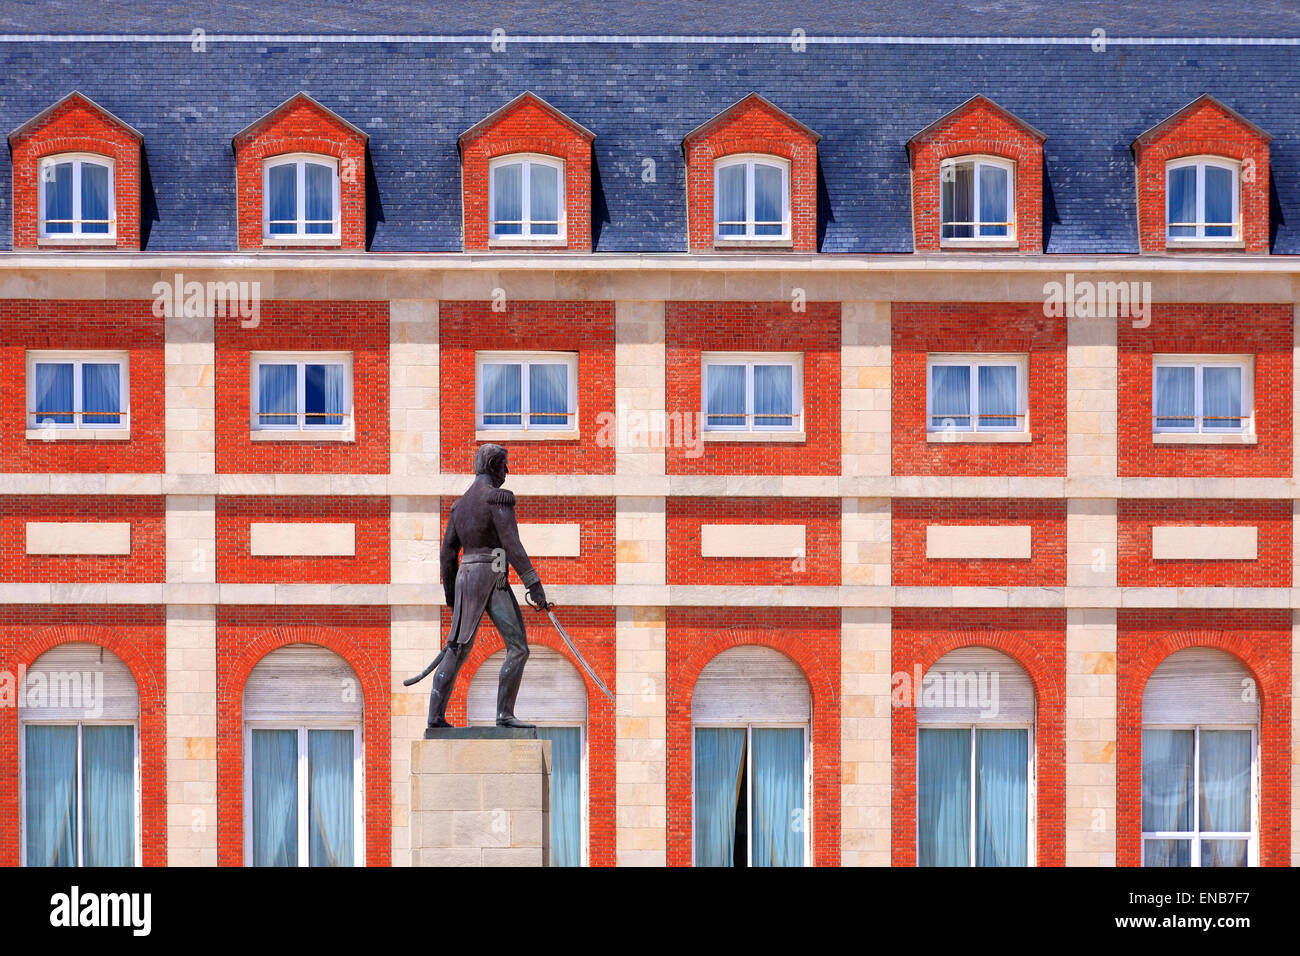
x,y
1035,638
369,517
145,564
1203,128
76,125
359,635
921,328
1044,517
1261,640
979,127
752,126
1263,332
1272,569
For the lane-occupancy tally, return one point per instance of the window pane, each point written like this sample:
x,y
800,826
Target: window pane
x,y
997,396
508,199
943,797
719,756
769,203
1166,781
950,396
566,794
58,197
994,207
778,826
275,797
277,394
548,394
282,203
502,395
108,766
1221,397
324,398
957,200
53,401
1224,852
331,813
1002,797
544,198
1225,781
1181,186
730,201
1218,200
51,794
101,395
320,199
94,198
1175,398
725,395
774,396
1167,853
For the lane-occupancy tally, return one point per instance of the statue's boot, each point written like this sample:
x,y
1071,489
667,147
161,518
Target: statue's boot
x,y
510,720
512,675
444,679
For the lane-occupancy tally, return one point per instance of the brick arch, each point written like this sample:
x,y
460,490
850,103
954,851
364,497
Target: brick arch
x,y
1260,641
137,635
360,636
810,637
592,628
1034,639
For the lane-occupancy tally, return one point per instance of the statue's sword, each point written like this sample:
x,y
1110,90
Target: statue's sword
x,y
572,646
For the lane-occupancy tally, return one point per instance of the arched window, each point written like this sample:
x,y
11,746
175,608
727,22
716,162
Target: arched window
x,y
76,197
751,198
977,199
1200,731
1203,199
300,199
526,198
554,697
303,770
79,713
751,712
974,761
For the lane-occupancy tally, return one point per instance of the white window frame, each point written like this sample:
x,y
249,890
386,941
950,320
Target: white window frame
x,y
77,359
974,360
1196,835
304,832
978,160
301,359
525,236
1200,163
749,360
81,815
749,727
1031,787
1199,363
77,235
524,360
749,160
300,236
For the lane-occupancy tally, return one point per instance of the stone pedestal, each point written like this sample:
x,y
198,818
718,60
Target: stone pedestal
x,y
480,796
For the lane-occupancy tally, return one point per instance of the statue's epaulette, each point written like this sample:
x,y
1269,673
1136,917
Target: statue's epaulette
x,y
500,496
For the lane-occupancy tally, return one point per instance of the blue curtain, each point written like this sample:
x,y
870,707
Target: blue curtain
x,y
543,199
725,395
319,189
323,397
508,200
282,199
94,198
993,200
719,752
997,396
774,395
58,198
957,200
1167,794
1218,199
566,794
101,393
108,768
51,795
1002,798
548,394
502,394
54,393
950,396
1181,201
1225,794
777,830
275,798
1175,397
330,804
943,797
1221,397
769,211
277,394
730,200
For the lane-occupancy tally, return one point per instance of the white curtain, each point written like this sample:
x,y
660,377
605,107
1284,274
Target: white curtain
x,y
51,795
54,393
769,203
950,396
1002,797
94,197
777,830
1225,794
275,797
508,199
277,394
544,199
1167,794
108,765
566,794
997,396
725,395
730,201
282,201
502,394
58,198
1221,397
993,199
319,189
943,797
719,756
1218,200
101,392
1181,200
548,394
957,200
324,396
330,804
1175,397
774,395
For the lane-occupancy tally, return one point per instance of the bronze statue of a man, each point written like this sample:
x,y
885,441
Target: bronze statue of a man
x,y
482,535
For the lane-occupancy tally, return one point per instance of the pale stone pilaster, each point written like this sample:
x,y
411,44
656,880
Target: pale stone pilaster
x,y
190,395
865,772
865,388
1091,395
1092,536
413,387
191,735
640,756
415,640
1090,740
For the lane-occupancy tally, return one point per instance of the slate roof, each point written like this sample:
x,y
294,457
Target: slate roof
x,y
866,100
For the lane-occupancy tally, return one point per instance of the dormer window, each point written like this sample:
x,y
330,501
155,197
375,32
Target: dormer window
x,y
1203,199
527,199
301,199
76,197
751,198
977,199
